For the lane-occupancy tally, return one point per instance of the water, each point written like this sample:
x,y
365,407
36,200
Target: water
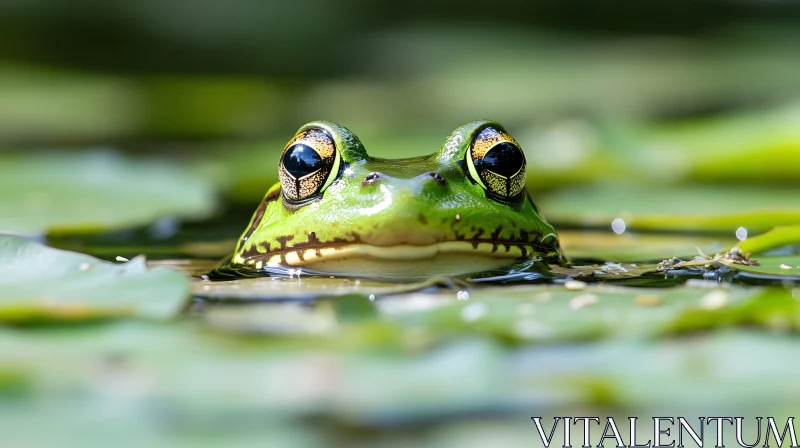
x,y
200,249
446,358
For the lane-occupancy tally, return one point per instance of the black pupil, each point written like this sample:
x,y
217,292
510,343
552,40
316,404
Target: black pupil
x,y
300,160
504,159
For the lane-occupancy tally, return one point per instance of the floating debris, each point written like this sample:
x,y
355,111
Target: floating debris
x,y
122,259
648,300
574,284
738,257
670,263
733,256
582,301
784,266
611,268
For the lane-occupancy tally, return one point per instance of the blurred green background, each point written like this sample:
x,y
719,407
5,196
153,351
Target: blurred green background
x,y
155,126
668,93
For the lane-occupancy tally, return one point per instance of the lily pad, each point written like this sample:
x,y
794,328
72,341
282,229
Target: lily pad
x,y
304,287
41,284
722,210
521,314
775,309
637,247
555,313
775,270
55,191
782,266
203,381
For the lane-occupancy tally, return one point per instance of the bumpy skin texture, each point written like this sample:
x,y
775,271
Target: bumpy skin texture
x,y
417,201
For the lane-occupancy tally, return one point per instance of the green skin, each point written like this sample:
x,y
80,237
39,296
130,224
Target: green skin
x,y
405,207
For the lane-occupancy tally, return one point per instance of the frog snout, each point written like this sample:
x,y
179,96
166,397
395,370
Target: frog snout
x,y
432,175
371,178
375,177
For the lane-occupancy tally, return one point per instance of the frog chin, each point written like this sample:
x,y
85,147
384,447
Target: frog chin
x,y
403,260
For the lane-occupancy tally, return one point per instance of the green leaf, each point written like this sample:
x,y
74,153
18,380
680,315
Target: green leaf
x,y
780,265
39,284
527,314
721,210
776,238
774,309
49,191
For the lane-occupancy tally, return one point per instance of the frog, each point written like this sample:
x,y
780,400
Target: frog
x,y
336,210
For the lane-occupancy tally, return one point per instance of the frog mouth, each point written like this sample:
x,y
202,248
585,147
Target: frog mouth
x,y
343,254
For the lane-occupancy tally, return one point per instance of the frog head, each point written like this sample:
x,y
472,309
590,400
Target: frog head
x,y
337,210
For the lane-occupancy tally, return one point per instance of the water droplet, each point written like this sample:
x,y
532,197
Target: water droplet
x,y
462,295
372,297
618,226
741,234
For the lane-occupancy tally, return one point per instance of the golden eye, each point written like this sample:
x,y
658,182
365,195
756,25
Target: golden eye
x,y
496,162
309,163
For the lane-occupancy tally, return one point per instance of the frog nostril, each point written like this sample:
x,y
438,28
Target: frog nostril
x,y
371,178
435,176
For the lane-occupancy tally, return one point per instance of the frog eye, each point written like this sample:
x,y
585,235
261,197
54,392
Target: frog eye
x,y
496,162
309,163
